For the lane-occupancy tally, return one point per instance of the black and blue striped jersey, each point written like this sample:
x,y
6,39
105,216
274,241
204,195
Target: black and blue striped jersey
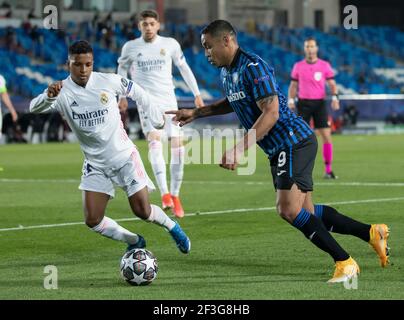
x,y
249,79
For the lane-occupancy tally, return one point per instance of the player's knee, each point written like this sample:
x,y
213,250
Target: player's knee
x,y
327,139
153,136
286,211
91,222
142,210
176,142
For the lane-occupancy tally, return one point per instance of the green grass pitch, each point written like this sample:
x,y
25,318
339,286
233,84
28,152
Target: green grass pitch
x,y
236,254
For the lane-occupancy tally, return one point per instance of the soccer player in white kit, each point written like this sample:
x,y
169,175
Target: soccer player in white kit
x,y
148,60
89,102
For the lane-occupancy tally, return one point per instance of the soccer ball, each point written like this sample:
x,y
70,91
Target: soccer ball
x,y
139,267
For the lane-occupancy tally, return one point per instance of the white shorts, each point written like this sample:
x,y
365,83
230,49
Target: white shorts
x,y
131,177
170,128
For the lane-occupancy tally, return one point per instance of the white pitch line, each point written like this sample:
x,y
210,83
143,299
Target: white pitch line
x,y
44,226
332,184
40,180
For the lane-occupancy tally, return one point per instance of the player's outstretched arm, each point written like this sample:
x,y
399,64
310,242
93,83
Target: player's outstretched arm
x,y
46,101
185,116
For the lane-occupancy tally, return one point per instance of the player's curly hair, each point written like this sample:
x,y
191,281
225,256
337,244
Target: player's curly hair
x,y
79,47
218,27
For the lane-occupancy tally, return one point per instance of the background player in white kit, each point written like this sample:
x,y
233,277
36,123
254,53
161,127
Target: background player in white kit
x,y
148,60
88,102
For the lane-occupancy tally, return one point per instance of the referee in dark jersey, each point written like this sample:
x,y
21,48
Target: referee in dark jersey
x,y
309,77
254,95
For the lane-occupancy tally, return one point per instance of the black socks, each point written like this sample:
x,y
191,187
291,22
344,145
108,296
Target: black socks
x,y
337,222
313,228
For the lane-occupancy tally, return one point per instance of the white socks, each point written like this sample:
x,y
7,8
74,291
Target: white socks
x,y
176,169
110,229
158,164
158,216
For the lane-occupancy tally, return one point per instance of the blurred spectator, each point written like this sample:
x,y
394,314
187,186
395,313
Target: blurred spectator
x,y
108,22
31,14
251,26
5,10
127,31
11,39
350,116
34,34
95,21
107,35
61,34
133,21
395,118
26,26
189,39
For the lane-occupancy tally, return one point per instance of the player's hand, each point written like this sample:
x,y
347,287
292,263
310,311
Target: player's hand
x,y
182,116
14,116
198,101
54,89
229,159
291,105
123,104
335,105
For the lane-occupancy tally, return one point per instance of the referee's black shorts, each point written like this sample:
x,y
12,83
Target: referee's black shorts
x,y
315,109
294,165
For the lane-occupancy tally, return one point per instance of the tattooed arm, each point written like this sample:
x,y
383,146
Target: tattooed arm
x,y
270,114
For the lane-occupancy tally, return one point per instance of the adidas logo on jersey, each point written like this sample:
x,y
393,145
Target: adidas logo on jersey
x,y
74,104
236,96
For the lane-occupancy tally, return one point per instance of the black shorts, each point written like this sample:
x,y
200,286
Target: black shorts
x,y
295,165
316,109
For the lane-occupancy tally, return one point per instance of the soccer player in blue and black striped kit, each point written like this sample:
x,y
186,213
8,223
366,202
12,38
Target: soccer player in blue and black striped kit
x,y
254,95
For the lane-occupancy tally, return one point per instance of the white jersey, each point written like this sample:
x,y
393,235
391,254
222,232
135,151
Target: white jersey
x,y
93,115
150,65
